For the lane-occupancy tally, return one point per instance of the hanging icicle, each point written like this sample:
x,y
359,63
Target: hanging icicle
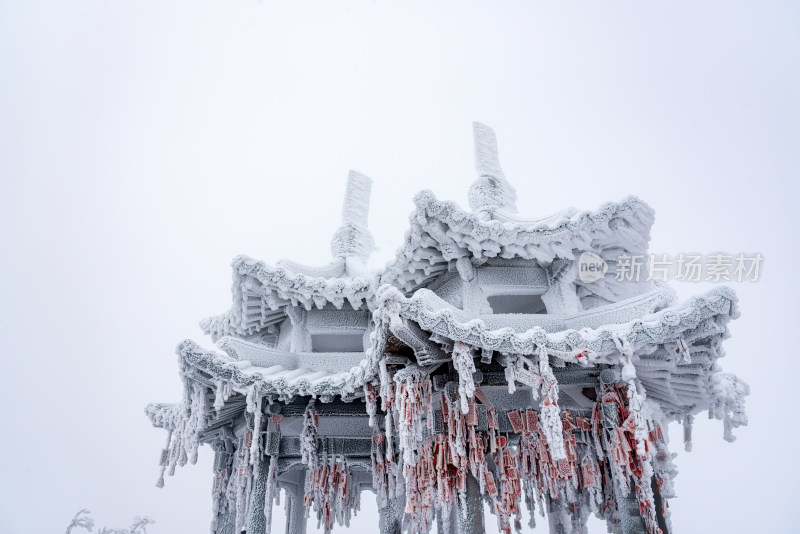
x,y
330,492
254,400
222,392
371,402
308,437
409,400
272,494
688,423
464,364
550,412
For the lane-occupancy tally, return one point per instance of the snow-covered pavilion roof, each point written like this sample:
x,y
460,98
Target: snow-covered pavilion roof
x,y
284,376
261,291
674,347
442,232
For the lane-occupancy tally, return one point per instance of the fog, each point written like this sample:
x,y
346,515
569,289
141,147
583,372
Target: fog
x,y
145,144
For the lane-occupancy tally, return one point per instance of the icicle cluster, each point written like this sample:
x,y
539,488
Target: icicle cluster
x,y
330,492
254,400
183,439
571,463
412,399
550,411
729,392
308,437
234,478
464,364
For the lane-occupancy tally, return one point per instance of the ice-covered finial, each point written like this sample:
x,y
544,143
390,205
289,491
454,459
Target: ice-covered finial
x,y
353,237
490,191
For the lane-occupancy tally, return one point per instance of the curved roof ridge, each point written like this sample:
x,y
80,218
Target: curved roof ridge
x,y
700,315
275,287
455,232
279,284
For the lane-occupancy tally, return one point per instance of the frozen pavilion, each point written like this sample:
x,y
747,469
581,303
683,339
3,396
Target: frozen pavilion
x,y
476,368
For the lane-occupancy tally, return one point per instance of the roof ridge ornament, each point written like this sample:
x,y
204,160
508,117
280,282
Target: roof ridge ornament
x,y
491,191
353,238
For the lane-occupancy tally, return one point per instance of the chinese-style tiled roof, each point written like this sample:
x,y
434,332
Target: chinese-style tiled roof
x,y
260,292
675,348
442,232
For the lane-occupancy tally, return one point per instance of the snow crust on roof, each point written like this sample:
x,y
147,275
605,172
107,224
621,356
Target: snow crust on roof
x,y
279,286
674,350
259,289
441,232
690,385
260,355
277,379
435,315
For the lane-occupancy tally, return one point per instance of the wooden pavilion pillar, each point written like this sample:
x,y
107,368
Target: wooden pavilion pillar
x,y
256,519
447,525
391,517
225,522
471,515
296,519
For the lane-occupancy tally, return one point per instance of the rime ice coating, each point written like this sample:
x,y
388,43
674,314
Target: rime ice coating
x,y
491,191
338,378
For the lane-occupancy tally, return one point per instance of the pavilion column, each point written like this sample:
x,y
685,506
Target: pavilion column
x,y
562,296
226,524
449,524
471,515
391,517
659,503
629,513
630,517
225,521
256,520
555,524
295,509
561,521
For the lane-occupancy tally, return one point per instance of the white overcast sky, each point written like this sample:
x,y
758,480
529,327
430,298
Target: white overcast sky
x,y
144,144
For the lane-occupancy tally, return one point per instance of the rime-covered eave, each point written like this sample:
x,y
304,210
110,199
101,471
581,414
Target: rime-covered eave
x,y
674,351
441,231
277,380
682,382
280,285
440,234
163,415
700,315
261,292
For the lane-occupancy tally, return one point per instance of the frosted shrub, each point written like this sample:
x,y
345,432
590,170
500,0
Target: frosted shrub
x,y
83,520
